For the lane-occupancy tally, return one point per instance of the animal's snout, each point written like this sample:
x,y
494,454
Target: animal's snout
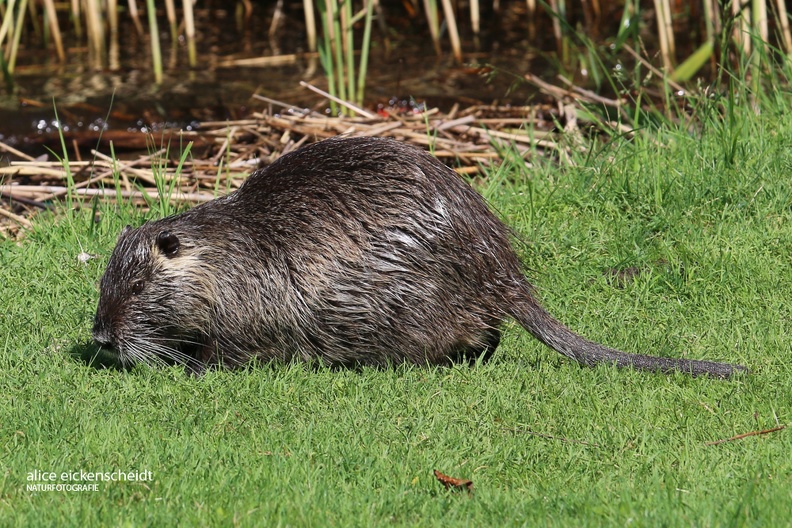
x,y
101,332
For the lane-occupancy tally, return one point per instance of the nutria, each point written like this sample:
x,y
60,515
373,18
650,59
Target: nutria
x,y
359,251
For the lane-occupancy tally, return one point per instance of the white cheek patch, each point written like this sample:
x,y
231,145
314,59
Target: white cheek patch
x,y
188,270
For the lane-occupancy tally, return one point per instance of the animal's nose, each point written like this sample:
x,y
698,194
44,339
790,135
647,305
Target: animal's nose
x,y
101,333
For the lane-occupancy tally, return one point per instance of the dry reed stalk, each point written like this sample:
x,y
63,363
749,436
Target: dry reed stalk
x,y
76,19
134,14
531,5
355,108
676,86
113,51
277,16
665,33
110,194
465,137
7,28
453,33
759,15
15,152
475,16
784,21
430,6
170,12
557,27
741,25
310,24
712,19
21,220
269,61
189,31
52,18
591,96
95,31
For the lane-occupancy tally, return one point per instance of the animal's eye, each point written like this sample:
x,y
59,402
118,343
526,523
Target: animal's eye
x,y
168,243
137,287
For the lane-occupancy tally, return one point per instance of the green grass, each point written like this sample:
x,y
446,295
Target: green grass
x,y
706,220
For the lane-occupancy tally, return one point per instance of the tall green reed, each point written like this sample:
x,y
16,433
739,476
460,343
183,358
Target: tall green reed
x,y
345,76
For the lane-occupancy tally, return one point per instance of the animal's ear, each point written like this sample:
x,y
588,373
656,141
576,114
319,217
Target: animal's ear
x,y
168,243
124,231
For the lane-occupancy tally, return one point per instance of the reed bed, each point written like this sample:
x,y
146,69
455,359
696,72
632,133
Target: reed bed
x,y
223,154
343,30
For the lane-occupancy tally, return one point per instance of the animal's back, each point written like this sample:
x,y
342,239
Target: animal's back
x,y
394,257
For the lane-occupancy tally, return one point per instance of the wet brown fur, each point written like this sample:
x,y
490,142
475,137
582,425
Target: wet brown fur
x,y
360,251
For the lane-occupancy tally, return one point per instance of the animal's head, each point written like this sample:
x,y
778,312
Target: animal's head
x,y
155,296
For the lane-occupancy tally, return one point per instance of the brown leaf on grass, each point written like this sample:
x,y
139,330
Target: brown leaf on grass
x,y
746,435
451,482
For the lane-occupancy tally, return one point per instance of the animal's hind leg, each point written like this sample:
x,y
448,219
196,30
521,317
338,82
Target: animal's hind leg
x,y
482,347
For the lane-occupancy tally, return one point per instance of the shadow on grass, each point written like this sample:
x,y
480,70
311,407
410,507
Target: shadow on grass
x,y
99,358
96,357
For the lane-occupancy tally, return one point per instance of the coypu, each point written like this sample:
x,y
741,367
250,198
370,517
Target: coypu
x,y
358,251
